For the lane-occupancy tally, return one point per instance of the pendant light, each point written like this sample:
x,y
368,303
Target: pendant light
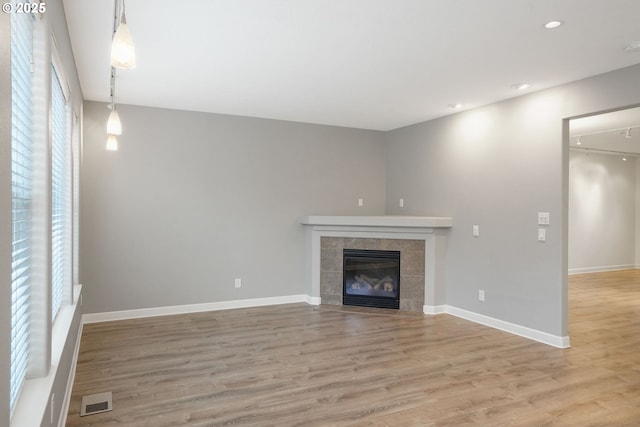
x,y
123,53
112,143
114,126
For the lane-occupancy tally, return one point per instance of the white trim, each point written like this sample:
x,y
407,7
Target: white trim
x,y
56,62
434,255
602,269
434,309
512,328
33,408
62,421
313,300
378,221
192,308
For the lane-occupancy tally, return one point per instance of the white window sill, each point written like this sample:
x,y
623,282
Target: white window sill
x,y
34,398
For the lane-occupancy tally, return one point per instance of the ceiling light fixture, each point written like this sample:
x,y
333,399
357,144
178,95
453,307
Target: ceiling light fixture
x,y
122,56
114,126
520,86
622,154
618,132
112,143
552,24
123,53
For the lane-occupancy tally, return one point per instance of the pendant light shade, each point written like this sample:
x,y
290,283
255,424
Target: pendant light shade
x,y
114,126
123,53
112,143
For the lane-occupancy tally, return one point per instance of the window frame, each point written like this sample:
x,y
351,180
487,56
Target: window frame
x,y
61,189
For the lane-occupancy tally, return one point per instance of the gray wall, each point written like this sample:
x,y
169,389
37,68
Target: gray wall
x,y
193,200
602,211
497,166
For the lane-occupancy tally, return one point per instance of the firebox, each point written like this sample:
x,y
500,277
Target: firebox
x,y
371,278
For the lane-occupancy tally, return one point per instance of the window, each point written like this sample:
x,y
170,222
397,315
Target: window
x,y
60,192
21,190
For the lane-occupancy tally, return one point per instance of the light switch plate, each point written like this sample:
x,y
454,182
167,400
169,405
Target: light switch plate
x,y
543,218
476,230
542,235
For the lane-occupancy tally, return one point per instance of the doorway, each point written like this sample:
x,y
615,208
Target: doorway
x,y
604,192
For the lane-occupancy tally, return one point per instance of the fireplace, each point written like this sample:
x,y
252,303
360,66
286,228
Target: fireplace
x,y
371,278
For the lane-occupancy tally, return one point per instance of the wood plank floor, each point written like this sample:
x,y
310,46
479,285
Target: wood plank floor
x,y
298,365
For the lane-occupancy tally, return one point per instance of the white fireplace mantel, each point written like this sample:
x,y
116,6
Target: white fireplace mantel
x,y
432,230
379,221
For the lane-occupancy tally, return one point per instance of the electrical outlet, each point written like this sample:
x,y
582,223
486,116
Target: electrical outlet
x,y
361,202
481,295
476,230
401,203
238,282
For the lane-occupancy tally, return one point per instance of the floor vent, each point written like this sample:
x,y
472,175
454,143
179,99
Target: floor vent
x,y
96,403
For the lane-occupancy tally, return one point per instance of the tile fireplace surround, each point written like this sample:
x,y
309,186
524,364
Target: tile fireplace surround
x,y
420,240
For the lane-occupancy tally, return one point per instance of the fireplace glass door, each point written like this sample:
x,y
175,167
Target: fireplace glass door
x,y
371,278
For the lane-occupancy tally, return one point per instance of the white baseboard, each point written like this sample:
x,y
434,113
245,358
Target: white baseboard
x,y
62,421
434,309
193,308
602,269
533,334
312,300
512,328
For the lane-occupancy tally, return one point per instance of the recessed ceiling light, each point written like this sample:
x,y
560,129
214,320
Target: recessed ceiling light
x,y
553,24
455,106
520,86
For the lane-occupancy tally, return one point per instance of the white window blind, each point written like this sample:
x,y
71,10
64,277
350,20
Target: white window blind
x,y
59,194
21,190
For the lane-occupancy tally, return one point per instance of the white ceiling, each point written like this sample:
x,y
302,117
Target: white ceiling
x,y
373,64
